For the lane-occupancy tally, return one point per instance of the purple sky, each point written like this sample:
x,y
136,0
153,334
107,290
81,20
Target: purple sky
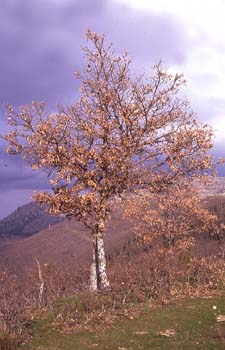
x,y
40,50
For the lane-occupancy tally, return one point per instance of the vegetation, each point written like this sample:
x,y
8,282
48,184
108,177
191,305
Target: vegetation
x,y
133,143
184,325
123,133
147,303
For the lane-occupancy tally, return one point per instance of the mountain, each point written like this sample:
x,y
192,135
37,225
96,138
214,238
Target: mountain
x,y
67,243
27,220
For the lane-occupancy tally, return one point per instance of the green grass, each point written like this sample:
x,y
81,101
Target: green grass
x,y
193,322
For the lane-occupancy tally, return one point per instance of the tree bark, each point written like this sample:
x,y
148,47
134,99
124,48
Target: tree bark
x,y
93,272
98,276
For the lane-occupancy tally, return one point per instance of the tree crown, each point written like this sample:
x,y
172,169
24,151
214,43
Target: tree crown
x,y
122,133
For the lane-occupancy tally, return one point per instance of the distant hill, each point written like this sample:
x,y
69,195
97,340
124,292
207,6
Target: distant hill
x,y
32,218
67,243
27,220
215,187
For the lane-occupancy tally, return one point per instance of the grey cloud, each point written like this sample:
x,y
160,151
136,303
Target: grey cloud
x,y
40,43
33,63
201,79
150,37
13,199
14,175
208,108
40,49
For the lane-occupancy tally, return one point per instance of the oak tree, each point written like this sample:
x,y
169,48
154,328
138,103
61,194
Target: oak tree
x,y
171,220
172,226
124,132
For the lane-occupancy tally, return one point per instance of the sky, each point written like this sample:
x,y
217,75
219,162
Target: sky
x,y
40,51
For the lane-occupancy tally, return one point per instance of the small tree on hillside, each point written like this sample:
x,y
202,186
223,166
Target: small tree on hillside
x,y
172,225
172,220
124,132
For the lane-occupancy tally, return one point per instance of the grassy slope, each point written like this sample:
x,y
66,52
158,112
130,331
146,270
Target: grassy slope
x,y
194,322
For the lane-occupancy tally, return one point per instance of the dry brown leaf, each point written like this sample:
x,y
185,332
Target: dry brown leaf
x,y
221,318
167,332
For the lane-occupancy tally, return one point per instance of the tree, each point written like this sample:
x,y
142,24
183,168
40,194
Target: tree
x,y
124,132
170,225
172,220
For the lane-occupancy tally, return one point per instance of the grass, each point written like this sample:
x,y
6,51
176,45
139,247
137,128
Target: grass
x,y
187,325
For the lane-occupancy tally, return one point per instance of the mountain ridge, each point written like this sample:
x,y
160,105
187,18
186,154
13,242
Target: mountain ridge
x,y
27,220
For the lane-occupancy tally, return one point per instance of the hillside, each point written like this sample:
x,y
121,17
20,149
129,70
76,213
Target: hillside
x,y
38,235
131,315
67,242
27,220
216,186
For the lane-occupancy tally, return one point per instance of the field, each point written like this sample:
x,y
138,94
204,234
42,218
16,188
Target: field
x,y
184,325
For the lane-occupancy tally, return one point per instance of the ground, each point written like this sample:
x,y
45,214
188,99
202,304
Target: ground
x,y
191,324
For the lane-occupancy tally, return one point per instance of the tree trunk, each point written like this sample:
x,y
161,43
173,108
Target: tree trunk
x,y
98,276
93,272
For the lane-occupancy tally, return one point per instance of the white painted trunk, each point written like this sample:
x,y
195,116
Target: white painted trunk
x,y
104,281
98,273
93,273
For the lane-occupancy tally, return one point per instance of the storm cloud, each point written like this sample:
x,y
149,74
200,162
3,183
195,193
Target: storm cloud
x,y
40,44
15,175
